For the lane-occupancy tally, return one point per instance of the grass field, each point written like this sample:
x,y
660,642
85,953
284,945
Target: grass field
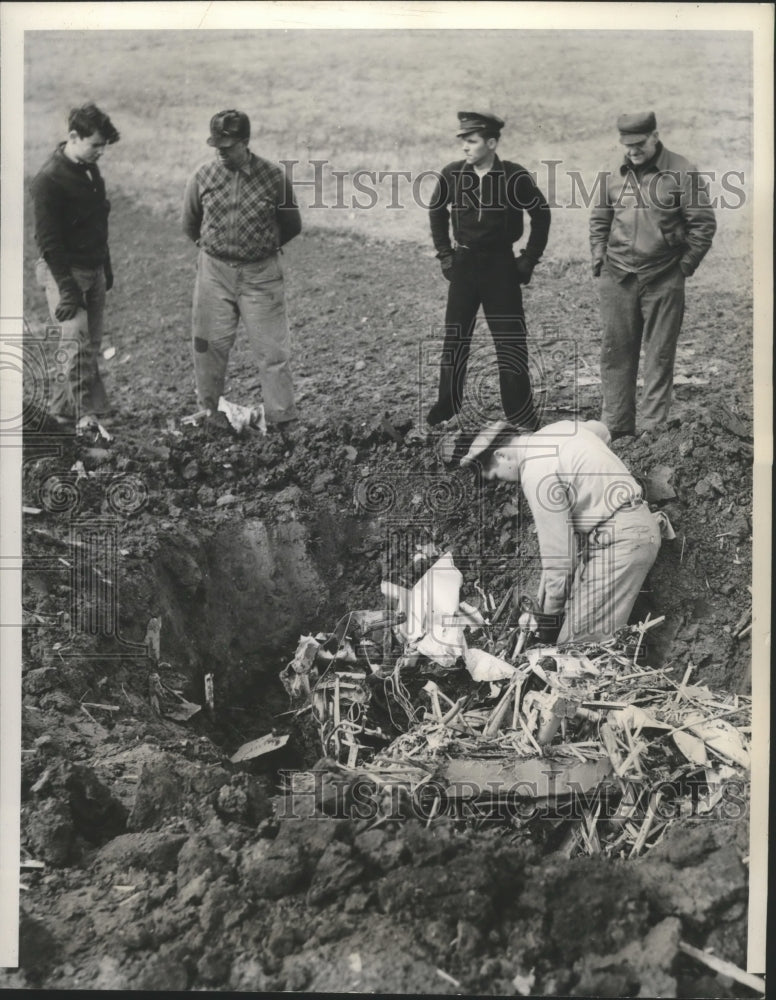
x,y
386,101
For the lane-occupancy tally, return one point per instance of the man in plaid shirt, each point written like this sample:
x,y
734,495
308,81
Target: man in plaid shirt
x,y
240,210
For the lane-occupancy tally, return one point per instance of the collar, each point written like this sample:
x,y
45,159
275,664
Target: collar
x,y
247,169
74,164
658,163
496,168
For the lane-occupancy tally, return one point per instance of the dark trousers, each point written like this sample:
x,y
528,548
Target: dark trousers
x,y
489,280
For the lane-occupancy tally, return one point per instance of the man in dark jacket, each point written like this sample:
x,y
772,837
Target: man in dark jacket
x,y
71,230
485,198
649,231
240,210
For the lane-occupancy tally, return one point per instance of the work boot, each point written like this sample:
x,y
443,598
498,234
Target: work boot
x,y
88,422
438,414
290,433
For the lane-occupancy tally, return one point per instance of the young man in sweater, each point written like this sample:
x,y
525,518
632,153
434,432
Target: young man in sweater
x,y
71,230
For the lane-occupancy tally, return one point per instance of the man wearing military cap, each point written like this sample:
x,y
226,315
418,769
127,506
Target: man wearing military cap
x,y
650,229
485,199
240,210
597,537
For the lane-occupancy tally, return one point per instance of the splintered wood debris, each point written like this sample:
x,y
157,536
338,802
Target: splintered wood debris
x,y
487,713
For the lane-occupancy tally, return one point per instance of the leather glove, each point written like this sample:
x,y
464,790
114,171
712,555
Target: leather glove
x,y
108,275
70,300
597,266
524,267
447,266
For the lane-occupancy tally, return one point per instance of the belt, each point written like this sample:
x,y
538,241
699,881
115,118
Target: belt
x,y
633,504
487,251
231,262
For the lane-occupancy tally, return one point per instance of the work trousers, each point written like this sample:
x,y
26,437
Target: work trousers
x,y
254,292
635,311
613,565
489,280
77,389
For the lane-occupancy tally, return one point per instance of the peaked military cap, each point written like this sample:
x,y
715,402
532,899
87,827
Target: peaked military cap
x,y
228,127
474,121
636,128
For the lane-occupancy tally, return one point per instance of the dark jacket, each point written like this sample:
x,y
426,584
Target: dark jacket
x,y
517,193
71,215
648,219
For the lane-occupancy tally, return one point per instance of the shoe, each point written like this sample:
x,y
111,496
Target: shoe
x,y
438,414
616,435
88,422
290,432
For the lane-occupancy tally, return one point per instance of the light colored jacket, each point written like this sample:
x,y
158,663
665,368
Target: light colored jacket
x,y
648,219
573,484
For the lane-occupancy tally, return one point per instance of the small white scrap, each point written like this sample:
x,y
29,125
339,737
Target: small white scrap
x,y
109,352
193,418
524,984
720,736
448,978
431,626
483,666
694,749
257,748
635,719
240,416
182,710
576,665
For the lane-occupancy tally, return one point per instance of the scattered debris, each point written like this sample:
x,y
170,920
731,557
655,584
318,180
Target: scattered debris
x,y
153,638
259,747
421,703
240,416
168,702
724,968
193,419
430,609
209,692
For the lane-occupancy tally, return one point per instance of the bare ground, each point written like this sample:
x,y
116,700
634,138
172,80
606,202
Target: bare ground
x,y
165,866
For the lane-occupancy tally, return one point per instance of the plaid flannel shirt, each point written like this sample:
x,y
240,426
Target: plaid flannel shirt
x,y
240,215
